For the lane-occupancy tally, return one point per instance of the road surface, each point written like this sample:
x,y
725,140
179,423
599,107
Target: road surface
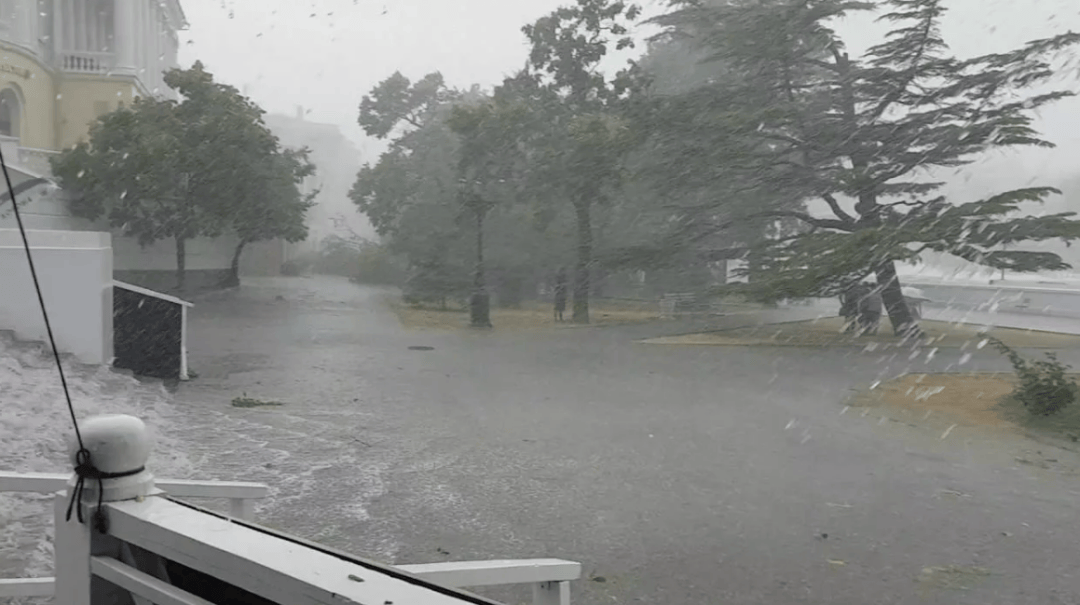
x,y
697,475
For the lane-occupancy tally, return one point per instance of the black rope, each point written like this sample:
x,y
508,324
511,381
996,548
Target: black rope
x,y
85,470
84,467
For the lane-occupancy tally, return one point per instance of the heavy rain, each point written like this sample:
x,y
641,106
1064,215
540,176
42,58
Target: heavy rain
x,y
540,301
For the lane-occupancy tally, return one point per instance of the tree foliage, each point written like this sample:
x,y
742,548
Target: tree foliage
x,y
410,194
199,167
579,155
746,128
867,137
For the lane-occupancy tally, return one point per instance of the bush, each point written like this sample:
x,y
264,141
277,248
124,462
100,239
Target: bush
x,y
1044,388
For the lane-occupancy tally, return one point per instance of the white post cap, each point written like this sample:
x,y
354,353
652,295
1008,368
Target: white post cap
x,y
117,444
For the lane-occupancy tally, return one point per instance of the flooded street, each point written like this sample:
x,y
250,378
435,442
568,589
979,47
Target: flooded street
x,y
732,302
674,474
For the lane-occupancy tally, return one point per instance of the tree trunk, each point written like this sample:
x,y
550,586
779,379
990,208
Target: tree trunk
x,y
584,262
234,270
480,304
181,261
892,296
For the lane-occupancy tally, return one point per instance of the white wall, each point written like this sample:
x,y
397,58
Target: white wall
x,y
75,271
48,214
202,254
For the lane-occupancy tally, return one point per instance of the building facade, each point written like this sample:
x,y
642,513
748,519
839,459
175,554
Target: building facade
x,y
63,63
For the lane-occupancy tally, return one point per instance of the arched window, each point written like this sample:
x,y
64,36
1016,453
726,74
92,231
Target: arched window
x,y
10,113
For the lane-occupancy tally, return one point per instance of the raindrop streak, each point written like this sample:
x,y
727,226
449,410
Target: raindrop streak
x,y
947,431
966,357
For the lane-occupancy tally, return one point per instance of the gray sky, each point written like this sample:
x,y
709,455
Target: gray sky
x,y
326,54
327,62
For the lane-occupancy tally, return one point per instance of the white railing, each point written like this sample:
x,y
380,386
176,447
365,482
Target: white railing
x,y
550,578
167,552
241,498
87,62
277,567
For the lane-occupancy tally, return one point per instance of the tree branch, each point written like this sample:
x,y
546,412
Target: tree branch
x,y
837,210
911,73
823,223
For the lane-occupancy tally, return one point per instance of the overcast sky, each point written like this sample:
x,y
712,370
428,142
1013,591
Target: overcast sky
x,y
326,54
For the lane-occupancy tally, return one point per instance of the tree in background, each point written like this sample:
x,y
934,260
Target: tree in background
x,y
272,205
579,157
803,120
491,165
181,170
410,194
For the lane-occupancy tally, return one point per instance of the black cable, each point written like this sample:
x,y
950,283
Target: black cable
x,y
41,298
84,468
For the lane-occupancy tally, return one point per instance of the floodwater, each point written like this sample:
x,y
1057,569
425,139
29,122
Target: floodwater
x,y
674,474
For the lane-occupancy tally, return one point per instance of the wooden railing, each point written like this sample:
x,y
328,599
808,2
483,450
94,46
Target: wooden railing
x,y
166,551
241,498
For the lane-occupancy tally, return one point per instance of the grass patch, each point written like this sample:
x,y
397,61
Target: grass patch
x,y
826,332
966,399
531,315
979,400
250,402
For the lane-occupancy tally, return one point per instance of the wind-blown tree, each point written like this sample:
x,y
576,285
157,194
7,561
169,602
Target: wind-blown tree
x,y
866,137
579,158
174,170
272,205
410,194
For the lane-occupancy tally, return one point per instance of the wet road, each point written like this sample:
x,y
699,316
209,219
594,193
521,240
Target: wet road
x,y
695,475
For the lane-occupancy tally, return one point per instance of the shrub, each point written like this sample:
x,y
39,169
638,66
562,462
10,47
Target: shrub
x,y
1044,388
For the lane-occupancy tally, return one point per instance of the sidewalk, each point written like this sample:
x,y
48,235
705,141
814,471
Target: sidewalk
x,y
1023,321
1045,323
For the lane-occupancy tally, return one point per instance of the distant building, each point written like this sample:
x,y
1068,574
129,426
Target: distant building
x,y
336,162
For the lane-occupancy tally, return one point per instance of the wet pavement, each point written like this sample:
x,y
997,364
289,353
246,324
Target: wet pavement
x,y
674,474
